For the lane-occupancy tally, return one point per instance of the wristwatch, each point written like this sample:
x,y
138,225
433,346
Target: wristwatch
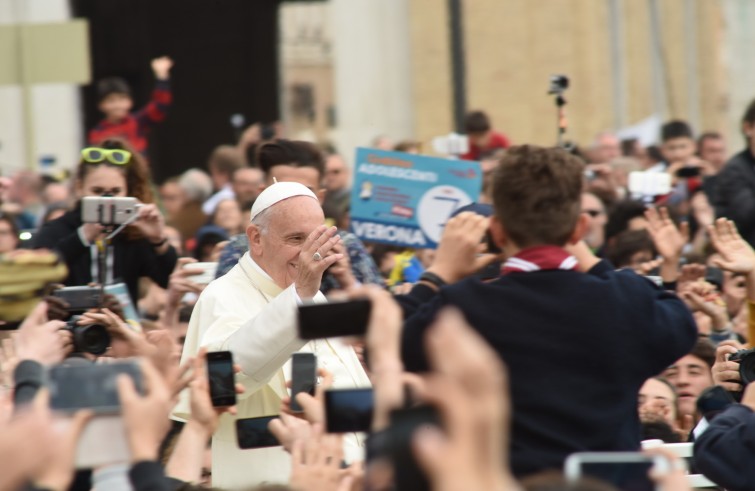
x,y
433,279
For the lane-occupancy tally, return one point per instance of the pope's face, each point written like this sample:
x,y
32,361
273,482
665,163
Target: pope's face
x,y
276,250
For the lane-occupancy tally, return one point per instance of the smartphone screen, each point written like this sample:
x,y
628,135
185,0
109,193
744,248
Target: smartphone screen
x,y
628,471
348,410
334,319
221,378
85,385
253,433
303,377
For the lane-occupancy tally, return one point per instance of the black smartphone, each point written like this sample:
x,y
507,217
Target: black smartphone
x,y
81,384
348,410
253,433
687,172
334,319
713,400
303,377
221,378
407,474
79,298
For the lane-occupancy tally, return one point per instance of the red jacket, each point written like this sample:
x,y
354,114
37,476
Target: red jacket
x,y
134,127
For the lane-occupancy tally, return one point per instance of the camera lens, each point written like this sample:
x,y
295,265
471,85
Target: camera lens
x,y
93,338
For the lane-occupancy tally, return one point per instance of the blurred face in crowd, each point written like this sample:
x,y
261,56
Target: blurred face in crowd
x,y
734,292
657,399
228,215
173,199
336,173
593,208
607,147
276,248
55,193
8,238
306,176
102,180
479,139
680,149
116,106
246,184
690,375
713,150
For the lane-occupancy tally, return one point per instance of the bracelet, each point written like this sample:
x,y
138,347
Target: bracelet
x,y
433,279
159,244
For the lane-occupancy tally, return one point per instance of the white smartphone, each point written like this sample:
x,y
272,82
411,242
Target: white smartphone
x,y
649,183
627,471
207,275
108,210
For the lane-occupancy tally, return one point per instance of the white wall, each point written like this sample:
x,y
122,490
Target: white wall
x,y
55,108
372,72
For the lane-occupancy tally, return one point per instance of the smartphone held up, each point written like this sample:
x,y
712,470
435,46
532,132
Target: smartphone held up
x,y
221,378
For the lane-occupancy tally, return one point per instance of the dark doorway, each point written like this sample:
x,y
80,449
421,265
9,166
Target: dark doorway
x,y
226,62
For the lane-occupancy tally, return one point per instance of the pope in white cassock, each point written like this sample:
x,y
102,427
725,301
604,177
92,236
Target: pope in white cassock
x,y
252,312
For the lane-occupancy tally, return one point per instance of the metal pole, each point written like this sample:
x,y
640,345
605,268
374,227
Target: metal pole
x,y
458,65
24,59
616,22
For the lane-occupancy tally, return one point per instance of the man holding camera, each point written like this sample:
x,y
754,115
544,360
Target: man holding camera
x,y
252,312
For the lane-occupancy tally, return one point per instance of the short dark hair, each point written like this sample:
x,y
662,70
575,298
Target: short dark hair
x,y
621,214
705,350
627,244
676,129
476,122
537,194
112,85
291,152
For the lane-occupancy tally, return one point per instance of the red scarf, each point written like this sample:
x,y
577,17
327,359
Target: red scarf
x,y
540,258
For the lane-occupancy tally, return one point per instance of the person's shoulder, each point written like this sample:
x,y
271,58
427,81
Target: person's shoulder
x,y
738,162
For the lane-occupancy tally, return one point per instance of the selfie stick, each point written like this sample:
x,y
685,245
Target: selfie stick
x,y
103,245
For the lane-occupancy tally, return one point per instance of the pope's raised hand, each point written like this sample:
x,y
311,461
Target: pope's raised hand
x,y
314,260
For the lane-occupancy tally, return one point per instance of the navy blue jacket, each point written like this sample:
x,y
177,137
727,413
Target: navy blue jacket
x,y
724,451
578,348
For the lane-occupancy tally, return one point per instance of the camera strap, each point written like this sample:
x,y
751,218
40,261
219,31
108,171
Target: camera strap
x,y
95,263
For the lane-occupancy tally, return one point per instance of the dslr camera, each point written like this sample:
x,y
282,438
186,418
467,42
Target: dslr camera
x,y
746,359
88,338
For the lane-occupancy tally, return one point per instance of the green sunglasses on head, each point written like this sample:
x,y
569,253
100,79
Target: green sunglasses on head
x,y
94,155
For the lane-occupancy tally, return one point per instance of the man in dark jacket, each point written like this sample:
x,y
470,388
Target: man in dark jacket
x,y
579,338
735,186
723,451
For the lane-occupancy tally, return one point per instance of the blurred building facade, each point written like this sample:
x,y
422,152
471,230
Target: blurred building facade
x,y
627,60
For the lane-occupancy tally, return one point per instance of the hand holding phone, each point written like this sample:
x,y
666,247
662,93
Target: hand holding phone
x,y
303,377
220,375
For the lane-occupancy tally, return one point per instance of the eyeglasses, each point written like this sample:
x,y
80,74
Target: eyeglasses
x,y
94,155
593,213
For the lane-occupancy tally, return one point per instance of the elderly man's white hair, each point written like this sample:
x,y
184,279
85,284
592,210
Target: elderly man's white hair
x,y
196,184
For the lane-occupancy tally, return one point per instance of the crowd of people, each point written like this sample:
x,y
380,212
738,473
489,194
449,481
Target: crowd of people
x,y
566,310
